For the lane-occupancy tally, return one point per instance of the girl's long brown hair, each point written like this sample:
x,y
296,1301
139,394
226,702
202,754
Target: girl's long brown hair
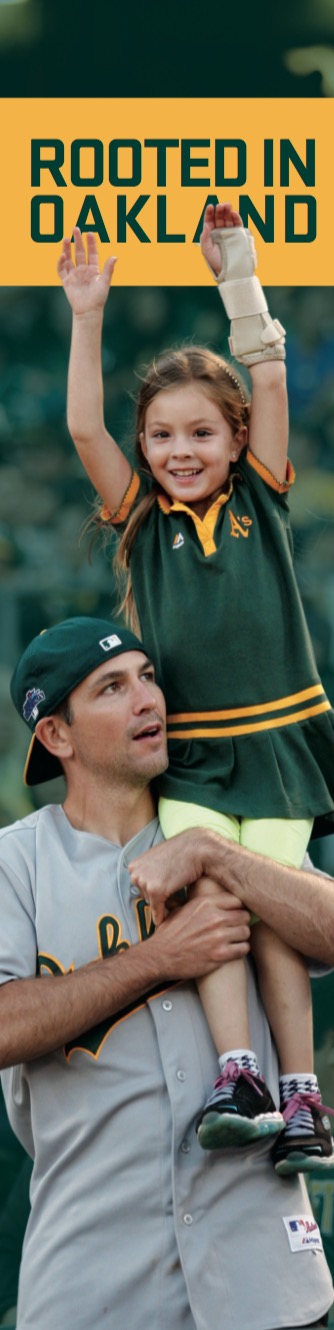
x,y
176,368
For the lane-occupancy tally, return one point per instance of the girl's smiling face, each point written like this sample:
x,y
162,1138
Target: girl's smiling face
x,y
189,445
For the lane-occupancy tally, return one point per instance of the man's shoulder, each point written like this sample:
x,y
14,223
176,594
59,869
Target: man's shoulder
x,y
24,831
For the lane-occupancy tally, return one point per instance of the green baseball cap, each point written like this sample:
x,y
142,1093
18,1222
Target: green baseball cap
x,y
51,666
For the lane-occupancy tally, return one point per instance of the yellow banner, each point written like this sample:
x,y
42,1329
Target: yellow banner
x,y
139,174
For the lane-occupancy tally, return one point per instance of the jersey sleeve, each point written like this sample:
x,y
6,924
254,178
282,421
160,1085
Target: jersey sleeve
x,y
139,487
256,472
18,947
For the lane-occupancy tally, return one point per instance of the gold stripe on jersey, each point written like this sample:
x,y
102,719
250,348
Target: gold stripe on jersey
x,y
249,720
281,486
121,514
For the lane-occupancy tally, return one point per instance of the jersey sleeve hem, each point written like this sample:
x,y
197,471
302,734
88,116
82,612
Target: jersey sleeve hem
x,y
121,513
281,487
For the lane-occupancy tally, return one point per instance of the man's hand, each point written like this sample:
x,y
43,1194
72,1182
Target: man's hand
x,y
170,866
202,935
222,215
85,286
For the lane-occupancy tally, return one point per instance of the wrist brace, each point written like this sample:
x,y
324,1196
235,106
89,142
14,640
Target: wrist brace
x,y
255,336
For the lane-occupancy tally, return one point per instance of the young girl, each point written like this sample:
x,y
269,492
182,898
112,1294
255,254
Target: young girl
x,y
207,547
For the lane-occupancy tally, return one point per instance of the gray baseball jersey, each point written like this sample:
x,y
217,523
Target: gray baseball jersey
x,y
131,1223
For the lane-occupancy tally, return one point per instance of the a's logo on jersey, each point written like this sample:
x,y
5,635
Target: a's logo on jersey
x,y
30,705
107,643
239,525
178,541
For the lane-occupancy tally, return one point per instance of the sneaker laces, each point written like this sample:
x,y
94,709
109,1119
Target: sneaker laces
x,y
299,1108
224,1085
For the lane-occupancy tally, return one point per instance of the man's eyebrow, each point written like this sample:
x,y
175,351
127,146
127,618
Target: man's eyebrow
x,y
118,673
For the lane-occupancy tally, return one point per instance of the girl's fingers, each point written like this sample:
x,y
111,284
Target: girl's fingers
x,y
92,254
79,247
227,216
108,269
65,264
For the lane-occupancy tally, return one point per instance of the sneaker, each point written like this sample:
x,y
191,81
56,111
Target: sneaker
x,y
240,1111
306,1144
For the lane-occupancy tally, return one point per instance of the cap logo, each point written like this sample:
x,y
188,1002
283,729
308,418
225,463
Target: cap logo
x,y
107,643
30,706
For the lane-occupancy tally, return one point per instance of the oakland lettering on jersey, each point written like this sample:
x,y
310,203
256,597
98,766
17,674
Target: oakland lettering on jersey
x,y
110,942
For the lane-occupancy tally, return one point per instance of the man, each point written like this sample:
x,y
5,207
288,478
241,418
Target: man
x,y
107,1061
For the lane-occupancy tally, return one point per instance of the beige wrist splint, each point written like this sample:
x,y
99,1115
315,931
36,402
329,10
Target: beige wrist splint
x,y
255,336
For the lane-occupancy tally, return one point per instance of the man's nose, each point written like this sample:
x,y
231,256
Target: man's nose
x,y
143,699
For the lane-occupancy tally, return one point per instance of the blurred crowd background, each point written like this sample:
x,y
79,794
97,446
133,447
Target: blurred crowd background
x,y
49,48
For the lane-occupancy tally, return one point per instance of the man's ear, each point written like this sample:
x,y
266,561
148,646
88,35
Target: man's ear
x,y
53,732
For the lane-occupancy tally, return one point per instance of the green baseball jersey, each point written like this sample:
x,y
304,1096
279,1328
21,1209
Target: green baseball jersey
x,y
250,729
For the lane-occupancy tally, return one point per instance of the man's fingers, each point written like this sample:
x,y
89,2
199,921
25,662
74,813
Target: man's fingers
x,y
159,913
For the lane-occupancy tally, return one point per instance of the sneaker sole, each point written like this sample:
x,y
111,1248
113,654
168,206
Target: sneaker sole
x,y
302,1163
228,1131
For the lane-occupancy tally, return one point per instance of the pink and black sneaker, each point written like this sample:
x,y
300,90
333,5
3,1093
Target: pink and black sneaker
x,y
306,1143
239,1112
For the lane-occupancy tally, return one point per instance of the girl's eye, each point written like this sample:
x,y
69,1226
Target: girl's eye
x,y
202,433
161,434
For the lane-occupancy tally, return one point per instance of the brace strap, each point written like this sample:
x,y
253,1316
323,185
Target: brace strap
x,y
255,336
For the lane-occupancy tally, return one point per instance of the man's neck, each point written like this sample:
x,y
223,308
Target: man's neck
x,y
116,814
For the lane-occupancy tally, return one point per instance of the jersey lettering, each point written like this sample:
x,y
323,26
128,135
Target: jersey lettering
x,y
145,923
239,525
49,963
110,943
109,936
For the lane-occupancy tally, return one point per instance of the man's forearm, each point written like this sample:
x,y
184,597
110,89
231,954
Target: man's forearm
x,y
297,905
40,1015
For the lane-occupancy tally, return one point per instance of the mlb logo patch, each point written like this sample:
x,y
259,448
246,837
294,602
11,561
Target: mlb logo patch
x,y
107,643
30,705
303,1233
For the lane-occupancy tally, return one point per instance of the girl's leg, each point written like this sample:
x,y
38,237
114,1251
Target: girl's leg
x,y
282,973
223,993
230,1117
286,995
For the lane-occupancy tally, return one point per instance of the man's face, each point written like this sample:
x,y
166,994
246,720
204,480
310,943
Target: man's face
x,y
118,726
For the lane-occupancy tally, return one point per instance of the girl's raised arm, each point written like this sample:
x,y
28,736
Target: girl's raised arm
x,y
87,290
256,340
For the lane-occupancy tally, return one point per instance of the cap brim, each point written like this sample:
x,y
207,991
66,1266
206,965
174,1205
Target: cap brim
x,y
40,764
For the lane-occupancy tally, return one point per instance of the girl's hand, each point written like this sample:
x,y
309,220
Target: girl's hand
x,y
85,286
222,215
